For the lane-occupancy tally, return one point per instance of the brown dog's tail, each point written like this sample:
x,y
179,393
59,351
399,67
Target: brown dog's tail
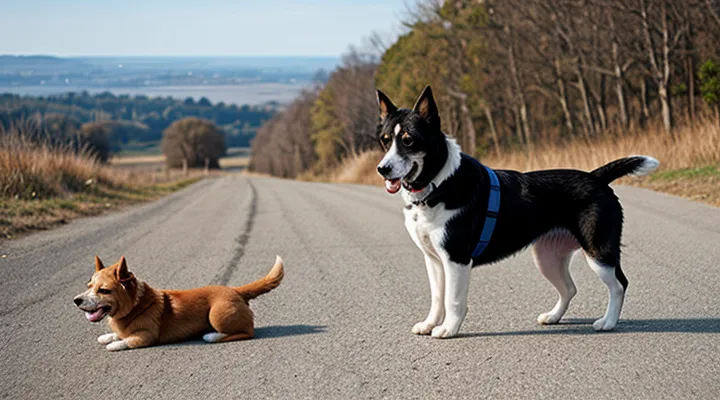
x,y
264,285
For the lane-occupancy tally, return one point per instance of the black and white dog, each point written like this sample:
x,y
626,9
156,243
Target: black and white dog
x,y
462,214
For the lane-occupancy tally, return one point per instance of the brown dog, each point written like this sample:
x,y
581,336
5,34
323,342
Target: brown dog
x,y
141,316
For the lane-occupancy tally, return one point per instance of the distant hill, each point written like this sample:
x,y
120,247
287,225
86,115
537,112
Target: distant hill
x,y
40,64
107,72
23,61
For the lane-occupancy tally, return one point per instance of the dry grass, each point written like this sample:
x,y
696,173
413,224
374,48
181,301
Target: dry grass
x,y
31,171
699,184
234,163
42,186
360,168
22,216
689,160
138,160
237,158
688,147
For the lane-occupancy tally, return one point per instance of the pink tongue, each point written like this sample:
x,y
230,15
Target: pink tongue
x,y
96,315
392,185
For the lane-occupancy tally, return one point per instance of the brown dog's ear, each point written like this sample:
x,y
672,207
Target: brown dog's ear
x,y
386,105
426,107
122,273
98,264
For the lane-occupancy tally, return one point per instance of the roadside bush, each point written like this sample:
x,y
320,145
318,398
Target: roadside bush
x,y
193,140
94,138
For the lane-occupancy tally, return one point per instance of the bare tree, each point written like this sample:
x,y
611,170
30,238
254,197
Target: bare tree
x,y
656,21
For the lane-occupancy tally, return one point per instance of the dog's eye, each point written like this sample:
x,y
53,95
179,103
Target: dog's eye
x,y
407,140
104,291
385,140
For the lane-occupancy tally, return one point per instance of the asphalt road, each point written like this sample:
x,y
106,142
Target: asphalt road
x,y
339,325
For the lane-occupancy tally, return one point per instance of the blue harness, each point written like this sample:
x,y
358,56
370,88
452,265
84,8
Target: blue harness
x,y
492,213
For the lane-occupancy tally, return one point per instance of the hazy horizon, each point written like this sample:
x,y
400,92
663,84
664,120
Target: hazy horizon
x,y
181,28
228,79
174,56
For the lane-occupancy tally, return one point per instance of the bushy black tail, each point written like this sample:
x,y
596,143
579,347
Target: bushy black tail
x,y
633,165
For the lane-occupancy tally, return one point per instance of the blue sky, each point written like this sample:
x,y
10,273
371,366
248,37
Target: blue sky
x,y
194,28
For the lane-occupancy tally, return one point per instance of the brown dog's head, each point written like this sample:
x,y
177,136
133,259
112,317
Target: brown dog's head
x,y
111,291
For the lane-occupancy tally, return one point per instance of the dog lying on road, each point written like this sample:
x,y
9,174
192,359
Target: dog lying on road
x,y
462,214
141,316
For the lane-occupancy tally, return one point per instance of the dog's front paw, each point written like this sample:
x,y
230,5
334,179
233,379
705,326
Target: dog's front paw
x,y
548,319
107,338
443,332
117,346
422,328
602,325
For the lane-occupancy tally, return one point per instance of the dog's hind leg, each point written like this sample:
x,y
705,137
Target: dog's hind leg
x,y
601,225
436,314
216,337
552,254
232,320
614,279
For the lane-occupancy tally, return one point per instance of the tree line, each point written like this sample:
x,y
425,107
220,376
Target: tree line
x,y
513,73
324,124
128,119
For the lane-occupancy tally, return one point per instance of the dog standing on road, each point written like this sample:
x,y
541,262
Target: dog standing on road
x,y
462,214
141,316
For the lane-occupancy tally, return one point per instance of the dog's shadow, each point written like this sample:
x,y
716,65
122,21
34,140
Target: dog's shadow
x,y
265,332
584,327
276,331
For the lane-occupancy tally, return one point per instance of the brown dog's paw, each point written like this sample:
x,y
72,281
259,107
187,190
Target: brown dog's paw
x,y
117,346
107,338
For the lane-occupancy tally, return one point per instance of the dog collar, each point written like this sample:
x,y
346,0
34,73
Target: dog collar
x,y
411,189
492,213
430,188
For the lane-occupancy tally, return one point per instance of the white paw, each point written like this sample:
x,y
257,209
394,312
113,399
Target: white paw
x,y
107,338
442,332
602,325
548,319
214,337
422,328
117,346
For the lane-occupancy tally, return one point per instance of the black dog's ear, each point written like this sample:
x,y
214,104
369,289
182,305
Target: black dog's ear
x,y
426,107
386,105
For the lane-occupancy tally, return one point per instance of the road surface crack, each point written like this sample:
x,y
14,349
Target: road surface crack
x,y
241,241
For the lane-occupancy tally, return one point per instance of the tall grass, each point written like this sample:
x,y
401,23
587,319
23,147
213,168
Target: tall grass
x,y
688,147
44,184
358,168
30,170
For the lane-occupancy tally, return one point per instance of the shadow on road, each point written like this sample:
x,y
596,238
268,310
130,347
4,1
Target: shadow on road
x,y
266,332
276,331
584,327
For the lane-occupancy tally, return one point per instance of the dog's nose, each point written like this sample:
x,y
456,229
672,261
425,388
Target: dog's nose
x,y
78,301
383,170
